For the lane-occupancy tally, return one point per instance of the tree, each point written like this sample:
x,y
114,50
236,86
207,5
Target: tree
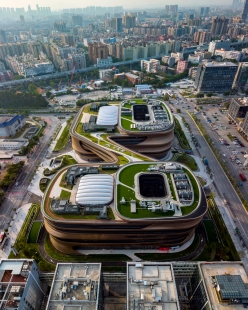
x,y
32,88
166,97
209,94
178,110
81,102
52,84
199,95
48,94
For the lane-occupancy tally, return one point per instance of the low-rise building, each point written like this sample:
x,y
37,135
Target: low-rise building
x,y
182,65
15,144
10,124
75,286
104,61
151,65
130,76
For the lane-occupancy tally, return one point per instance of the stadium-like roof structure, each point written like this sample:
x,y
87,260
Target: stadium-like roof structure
x,y
108,115
95,189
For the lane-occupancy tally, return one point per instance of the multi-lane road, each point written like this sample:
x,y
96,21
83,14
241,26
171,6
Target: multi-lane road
x,y
221,183
19,194
67,73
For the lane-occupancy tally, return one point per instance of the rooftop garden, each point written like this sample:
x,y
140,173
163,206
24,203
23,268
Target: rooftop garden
x,y
127,120
126,188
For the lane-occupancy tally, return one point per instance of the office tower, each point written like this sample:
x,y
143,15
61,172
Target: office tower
x,y
215,76
204,11
22,19
241,77
173,9
245,11
129,21
179,16
219,25
189,17
3,38
59,26
167,10
97,50
116,24
77,20
29,8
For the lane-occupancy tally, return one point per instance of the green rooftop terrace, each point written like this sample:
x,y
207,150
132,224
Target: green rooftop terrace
x,y
128,187
129,123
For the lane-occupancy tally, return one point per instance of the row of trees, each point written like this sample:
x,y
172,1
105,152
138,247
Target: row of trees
x,y
22,100
12,172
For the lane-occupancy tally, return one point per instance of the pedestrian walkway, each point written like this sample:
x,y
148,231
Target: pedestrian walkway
x,y
131,253
202,171
14,229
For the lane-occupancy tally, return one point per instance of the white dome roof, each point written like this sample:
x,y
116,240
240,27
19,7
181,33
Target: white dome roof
x,y
95,189
108,115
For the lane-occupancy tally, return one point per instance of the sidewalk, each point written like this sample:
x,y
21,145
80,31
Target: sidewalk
x,y
14,229
202,173
131,253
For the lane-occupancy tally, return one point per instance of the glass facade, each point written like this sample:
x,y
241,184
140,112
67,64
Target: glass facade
x,y
190,286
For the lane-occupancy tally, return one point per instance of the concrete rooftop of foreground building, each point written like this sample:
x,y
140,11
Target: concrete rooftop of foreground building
x,y
209,273
151,285
75,286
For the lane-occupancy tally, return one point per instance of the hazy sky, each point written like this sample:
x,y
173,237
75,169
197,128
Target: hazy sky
x,y
62,4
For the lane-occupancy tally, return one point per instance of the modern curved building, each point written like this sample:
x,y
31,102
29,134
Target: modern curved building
x,y
141,205
145,128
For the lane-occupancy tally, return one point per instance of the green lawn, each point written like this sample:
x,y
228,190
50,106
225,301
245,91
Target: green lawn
x,y
181,136
126,124
65,195
125,210
126,176
63,139
43,186
188,161
210,230
34,232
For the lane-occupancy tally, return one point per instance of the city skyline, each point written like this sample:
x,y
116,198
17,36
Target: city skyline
x,y
63,4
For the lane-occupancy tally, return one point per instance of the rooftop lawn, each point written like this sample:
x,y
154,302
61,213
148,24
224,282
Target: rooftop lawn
x,y
65,195
126,176
126,124
125,210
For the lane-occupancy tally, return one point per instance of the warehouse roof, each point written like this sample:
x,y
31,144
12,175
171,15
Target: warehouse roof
x,y
95,190
107,115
